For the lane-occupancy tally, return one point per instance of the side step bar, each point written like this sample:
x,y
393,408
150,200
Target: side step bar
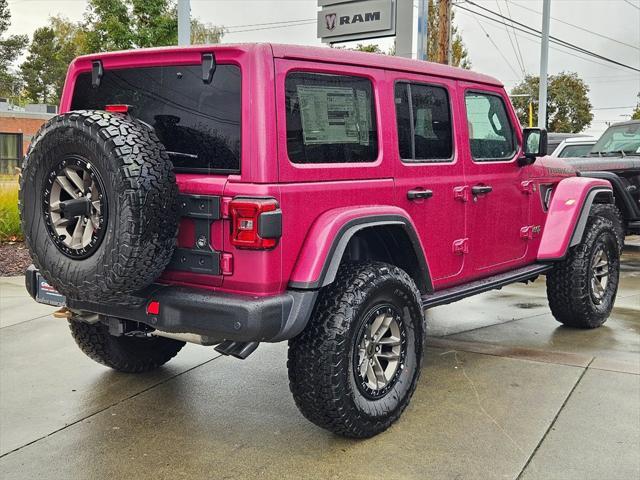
x,y
453,294
634,226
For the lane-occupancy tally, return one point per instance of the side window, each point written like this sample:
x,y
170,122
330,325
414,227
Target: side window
x,y
491,136
330,119
424,122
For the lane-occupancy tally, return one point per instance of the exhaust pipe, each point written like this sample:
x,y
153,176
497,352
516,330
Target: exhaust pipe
x,y
239,350
188,337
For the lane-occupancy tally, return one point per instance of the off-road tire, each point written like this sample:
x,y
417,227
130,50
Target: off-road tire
x,y
125,354
611,212
320,361
140,230
569,289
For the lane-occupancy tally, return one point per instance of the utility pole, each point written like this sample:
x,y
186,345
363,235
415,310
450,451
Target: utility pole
x,y
544,63
184,22
444,30
423,25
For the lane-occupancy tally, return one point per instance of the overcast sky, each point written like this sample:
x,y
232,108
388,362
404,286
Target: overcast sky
x,y
593,21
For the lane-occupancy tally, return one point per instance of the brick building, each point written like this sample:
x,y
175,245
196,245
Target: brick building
x,y
16,130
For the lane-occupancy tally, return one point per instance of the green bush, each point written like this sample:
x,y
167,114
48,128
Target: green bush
x,y
9,217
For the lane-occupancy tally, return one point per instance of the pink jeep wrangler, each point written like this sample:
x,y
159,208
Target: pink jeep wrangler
x,y
230,195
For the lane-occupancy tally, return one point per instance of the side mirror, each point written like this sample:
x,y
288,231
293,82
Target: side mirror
x,y
534,145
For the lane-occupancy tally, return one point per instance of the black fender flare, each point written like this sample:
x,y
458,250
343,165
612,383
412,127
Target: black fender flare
x,y
581,224
346,233
630,209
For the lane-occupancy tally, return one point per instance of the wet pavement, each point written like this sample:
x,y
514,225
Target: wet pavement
x,y
506,393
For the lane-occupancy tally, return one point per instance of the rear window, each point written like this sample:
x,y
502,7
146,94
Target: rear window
x,y
575,151
198,123
330,119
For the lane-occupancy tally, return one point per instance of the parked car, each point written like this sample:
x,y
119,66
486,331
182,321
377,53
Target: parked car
x,y
235,194
574,147
554,139
615,157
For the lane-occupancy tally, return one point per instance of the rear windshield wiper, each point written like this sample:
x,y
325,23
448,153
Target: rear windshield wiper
x,y
180,154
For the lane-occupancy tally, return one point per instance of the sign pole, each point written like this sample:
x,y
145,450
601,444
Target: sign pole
x,y
404,28
184,22
423,26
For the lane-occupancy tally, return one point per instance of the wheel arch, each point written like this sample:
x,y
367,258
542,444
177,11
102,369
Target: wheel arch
x,y
568,214
623,200
386,235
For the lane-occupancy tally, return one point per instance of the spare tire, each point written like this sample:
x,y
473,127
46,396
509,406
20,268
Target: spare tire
x,y
98,203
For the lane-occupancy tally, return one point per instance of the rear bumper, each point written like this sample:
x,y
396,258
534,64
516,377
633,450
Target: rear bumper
x,y
216,315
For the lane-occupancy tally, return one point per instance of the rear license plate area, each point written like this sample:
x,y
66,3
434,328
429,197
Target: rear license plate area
x,y
47,294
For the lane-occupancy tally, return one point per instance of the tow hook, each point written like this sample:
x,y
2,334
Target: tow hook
x,y
64,312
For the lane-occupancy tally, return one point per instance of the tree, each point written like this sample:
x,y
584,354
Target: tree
x,y
10,48
459,53
369,48
125,24
635,115
52,49
108,25
205,33
568,105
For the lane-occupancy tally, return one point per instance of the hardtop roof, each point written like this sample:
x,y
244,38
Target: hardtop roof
x,y
320,54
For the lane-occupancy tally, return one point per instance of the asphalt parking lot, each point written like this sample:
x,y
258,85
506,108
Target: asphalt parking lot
x,y
506,393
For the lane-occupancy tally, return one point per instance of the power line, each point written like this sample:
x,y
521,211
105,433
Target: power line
x,y
498,49
271,23
537,33
506,2
495,20
272,27
612,108
553,39
632,4
581,28
513,47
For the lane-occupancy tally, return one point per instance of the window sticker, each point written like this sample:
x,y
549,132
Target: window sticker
x,y
334,115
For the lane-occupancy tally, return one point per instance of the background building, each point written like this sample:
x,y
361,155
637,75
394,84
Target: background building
x,y
17,127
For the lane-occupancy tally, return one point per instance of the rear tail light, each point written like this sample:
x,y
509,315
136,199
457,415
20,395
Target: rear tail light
x,y
153,307
256,223
117,108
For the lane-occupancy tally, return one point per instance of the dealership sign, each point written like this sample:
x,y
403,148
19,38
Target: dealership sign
x,y
340,21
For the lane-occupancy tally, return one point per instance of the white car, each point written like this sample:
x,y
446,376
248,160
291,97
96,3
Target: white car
x,y
574,147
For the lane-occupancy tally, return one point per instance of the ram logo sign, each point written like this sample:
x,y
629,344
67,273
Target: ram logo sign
x,y
331,21
358,17
342,21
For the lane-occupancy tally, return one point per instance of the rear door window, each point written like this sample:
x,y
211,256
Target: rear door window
x,y
491,135
199,124
330,119
424,122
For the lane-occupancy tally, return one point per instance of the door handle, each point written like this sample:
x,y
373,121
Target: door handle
x,y
481,189
419,194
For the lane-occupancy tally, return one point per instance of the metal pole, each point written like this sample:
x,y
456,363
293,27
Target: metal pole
x,y
423,26
544,61
184,22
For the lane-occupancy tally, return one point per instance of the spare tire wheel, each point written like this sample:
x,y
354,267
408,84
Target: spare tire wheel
x,y
98,204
